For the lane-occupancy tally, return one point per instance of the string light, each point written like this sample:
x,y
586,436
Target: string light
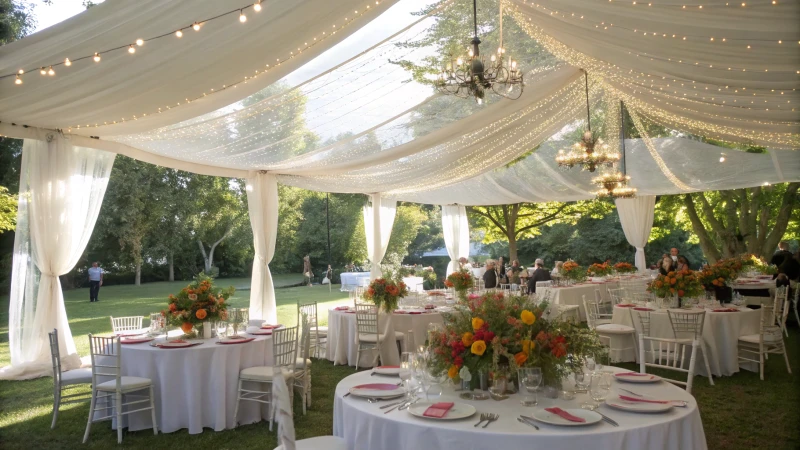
x,y
242,17
179,34
140,42
196,26
257,6
96,57
42,71
20,71
51,72
67,62
18,80
131,49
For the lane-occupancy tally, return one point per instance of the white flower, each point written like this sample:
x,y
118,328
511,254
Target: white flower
x,y
464,374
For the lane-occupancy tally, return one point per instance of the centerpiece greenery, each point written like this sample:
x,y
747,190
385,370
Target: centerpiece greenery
x,y
198,302
623,267
461,282
751,262
385,293
684,283
573,272
600,270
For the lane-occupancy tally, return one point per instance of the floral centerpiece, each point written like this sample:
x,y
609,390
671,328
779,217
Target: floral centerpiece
x,y
573,272
752,263
685,283
385,293
623,267
718,276
197,303
501,334
460,281
600,270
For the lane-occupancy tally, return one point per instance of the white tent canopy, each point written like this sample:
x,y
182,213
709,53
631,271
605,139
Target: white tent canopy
x,y
276,93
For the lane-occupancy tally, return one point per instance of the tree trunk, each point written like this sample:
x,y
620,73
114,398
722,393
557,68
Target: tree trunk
x,y
206,264
709,249
512,249
138,281
171,266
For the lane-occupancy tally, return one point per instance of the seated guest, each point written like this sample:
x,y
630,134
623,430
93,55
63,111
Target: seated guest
x,y
540,274
683,263
665,266
514,273
791,266
782,280
463,263
557,268
490,276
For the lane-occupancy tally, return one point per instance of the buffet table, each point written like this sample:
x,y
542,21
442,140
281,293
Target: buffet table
x,y
365,426
352,280
196,387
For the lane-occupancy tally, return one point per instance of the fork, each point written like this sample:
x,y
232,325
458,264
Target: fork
x,y
492,418
483,417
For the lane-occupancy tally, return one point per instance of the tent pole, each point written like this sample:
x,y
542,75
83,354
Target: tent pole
x,y
622,136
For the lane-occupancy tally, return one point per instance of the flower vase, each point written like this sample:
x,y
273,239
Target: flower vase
x,y
204,330
462,296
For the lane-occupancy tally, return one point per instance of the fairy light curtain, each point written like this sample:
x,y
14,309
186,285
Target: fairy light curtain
x,y
455,228
378,221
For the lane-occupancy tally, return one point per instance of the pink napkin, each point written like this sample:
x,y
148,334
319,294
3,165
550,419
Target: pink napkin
x,y
634,399
626,305
438,410
415,312
135,341
632,374
237,341
726,310
400,311
269,327
378,386
342,308
643,309
564,415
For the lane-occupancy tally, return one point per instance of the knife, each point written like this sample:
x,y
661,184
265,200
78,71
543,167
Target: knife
x,y
607,419
522,419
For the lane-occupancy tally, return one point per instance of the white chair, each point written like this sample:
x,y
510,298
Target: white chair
x,y
367,333
66,380
319,335
544,284
781,306
284,349
606,328
795,301
284,417
302,367
120,324
107,362
768,340
616,296
632,287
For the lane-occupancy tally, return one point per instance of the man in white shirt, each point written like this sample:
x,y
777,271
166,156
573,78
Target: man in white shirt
x,y
95,281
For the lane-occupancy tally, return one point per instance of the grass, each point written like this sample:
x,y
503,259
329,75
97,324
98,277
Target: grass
x,y
739,412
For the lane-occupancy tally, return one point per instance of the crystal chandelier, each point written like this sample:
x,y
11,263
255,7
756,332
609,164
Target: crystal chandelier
x,y
470,77
590,152
614,184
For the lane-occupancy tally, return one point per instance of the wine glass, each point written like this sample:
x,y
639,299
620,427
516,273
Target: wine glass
x,y
590,364
600,387
406,360
529,379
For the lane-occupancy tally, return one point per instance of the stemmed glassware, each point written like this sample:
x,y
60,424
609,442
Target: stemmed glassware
x,y
406,363
599,389
238,316
529,379
157,324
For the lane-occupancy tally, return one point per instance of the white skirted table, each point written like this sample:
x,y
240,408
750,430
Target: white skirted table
x,y
573,295
352,280
721,331
755,290
196,387
342,344
365,426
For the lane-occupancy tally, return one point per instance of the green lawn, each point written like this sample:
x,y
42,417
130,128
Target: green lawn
x,y
740,412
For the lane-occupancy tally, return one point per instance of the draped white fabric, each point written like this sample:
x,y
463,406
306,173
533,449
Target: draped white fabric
x,y
262,204
61,191
282,405
455,229
378,221
636,217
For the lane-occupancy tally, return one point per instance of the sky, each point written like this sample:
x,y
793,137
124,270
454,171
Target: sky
x,y
59,10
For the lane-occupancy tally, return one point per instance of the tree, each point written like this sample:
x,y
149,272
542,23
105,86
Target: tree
x,y
218,210
16,20
751,220
8,210
405,230
173,222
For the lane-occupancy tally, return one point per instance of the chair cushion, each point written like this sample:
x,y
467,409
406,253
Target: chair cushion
x,y
263,373
76,376
126,384
299,363
319,443
398,336
613,328
754,338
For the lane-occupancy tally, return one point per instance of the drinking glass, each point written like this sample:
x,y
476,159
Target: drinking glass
x,y
590,364
600,387
498,387
581,381
529,381
406,360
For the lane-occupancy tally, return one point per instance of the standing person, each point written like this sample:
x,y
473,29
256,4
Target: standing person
x,y
95,281
540,274
307,273
490,276
782,253
502,278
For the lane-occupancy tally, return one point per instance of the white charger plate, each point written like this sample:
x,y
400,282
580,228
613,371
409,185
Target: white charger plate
x,y
176,344
639,407
637,378
458,411
387,370
591,417
377,393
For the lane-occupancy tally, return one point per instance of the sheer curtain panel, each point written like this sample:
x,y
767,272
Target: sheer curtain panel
x,y
262,203
378,220
61,190
636,216
456,234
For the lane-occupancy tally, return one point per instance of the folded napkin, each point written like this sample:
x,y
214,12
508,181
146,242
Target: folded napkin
x,y
438,410
626,305
644,400
564,415
270,327
400,311
178,341
342,308
415,312
378,386
726,310
643,309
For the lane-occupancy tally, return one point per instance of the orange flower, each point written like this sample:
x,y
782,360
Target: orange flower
x,y
172,307
680,293
186,327
201,314
467,339
659,284
673,280
477,324
520,358
452,372
527,317
478,348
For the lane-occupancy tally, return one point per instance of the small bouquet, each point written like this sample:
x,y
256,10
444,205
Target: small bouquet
x,y
720,274
198,302
685,283
623,267
385,293
460,281
573,272
599,270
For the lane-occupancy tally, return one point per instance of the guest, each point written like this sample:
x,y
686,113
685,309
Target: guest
x,y
350,267
683,263
463,264
490,276
781,254
666,265
782,280
791,266
514,274
95,281
540,274
501,270
557,268
307,273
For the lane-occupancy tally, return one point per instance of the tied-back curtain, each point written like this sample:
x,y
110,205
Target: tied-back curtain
x,y
636,216
378,222
262,204
456,234
61,190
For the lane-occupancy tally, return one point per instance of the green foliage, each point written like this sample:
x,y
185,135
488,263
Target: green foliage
x,y
16,20
199,301
8,210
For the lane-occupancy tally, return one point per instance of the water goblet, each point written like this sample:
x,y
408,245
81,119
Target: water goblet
x,y
529,381
590,364
581,379
600,387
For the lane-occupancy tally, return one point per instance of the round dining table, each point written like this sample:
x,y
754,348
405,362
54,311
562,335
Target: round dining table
x,y
365,425
196,387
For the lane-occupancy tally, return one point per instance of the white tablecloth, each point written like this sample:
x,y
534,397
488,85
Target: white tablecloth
x,y
342,346
573,295
365,426
478,272
352,280
196,387
721,331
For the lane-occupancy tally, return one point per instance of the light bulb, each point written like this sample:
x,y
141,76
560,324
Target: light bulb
x,y
42,71
179,33
51,72
257,6
96,57
18,80
196,26
721,159
67,62
131,49
140,42
20,71
242,17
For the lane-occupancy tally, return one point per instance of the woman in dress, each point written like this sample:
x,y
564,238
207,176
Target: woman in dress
x,y
682,264
307,273
665,266
557,268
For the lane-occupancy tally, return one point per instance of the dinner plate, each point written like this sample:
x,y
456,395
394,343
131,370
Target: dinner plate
x,y
377,390
175,344
233,340
591,417
130,333
387,370
261,332
639,407
458,411
642,378
135,340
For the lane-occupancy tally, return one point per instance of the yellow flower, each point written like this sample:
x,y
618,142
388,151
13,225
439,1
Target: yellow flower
x,y
528,345
478,348
527,317
477,323
453,371
466,339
